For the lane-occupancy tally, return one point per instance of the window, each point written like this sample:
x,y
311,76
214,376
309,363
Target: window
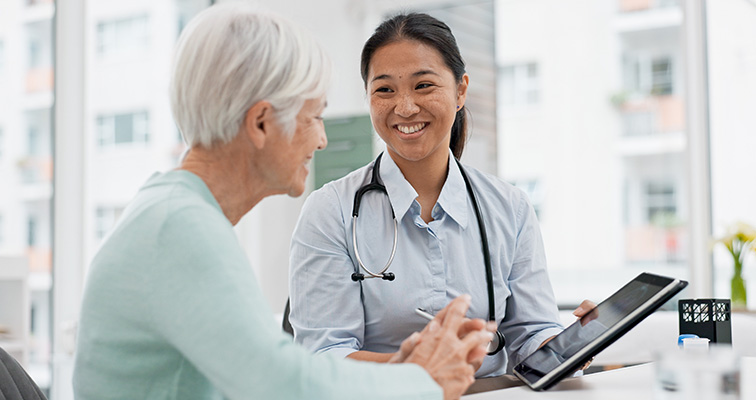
x,y
119,129
35,53
33,146
661,76
122,36
613,201
534,189
105,219
518,85
31,224
661,202
648,76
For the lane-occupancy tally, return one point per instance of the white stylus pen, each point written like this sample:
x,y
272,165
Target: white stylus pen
x,y
419,311
424,314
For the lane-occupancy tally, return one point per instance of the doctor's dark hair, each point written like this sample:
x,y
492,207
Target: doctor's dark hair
x,y
431,32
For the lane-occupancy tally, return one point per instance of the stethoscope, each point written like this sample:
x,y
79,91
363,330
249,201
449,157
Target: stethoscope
x,y
377,184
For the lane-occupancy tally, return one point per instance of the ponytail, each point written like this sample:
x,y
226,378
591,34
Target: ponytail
x,y
459,133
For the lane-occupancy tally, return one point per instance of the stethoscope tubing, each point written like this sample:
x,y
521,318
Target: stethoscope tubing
x,y
375,184
382,272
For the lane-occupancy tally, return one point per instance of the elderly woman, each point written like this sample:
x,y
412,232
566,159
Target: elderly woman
x,y
172,309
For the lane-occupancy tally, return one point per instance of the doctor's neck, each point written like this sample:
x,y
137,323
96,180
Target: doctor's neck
x,y
427,177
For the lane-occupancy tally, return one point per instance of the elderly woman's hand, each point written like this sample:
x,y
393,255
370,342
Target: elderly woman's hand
x,y
450,348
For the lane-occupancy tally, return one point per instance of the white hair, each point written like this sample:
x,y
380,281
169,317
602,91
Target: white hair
x,y
231,56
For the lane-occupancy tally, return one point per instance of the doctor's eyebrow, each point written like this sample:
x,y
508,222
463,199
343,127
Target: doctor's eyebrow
x,y
416,74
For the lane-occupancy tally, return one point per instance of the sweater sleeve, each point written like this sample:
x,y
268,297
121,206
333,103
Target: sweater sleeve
x,y
205,300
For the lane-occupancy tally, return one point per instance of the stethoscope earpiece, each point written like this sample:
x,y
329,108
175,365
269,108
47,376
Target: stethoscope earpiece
x,y
358,277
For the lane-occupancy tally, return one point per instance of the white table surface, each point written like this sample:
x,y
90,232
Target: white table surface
x,y
631,383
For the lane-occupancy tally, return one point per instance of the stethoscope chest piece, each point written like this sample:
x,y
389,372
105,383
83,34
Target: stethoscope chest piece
x,y
496,344
375,184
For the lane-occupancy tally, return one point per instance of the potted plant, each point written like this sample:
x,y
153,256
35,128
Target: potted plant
x,y
740,238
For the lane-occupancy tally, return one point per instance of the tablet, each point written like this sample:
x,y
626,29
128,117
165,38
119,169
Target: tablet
x,y
612,318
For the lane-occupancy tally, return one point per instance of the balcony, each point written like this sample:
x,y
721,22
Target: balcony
x,y
40,80
655,244
652,125
36,169
647,15
39,10
652,115
40,260
642,5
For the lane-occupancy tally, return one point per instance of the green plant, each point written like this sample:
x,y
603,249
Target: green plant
x,y
740,238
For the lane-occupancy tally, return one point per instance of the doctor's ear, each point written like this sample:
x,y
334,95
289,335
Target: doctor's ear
x,y
257,123
462,90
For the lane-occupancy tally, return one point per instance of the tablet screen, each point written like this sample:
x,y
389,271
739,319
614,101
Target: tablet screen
x,y
583,339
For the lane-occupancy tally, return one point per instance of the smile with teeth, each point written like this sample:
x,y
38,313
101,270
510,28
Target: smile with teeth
x,y
411,128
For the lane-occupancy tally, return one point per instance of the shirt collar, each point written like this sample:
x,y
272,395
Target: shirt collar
x,y
402,194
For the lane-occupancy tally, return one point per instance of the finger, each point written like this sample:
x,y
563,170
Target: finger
x,y
406,348
442,314
476,339
455,313
584,308
476,355
471,325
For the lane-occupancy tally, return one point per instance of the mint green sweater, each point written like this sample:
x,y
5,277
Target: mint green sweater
x,y
173,310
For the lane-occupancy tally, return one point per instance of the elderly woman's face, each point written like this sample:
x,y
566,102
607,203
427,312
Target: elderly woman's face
x,y
291,157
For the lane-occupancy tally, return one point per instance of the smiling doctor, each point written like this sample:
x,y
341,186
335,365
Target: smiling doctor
x,y
428,225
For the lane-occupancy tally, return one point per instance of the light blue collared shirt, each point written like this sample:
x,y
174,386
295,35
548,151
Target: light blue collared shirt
x,y
331,313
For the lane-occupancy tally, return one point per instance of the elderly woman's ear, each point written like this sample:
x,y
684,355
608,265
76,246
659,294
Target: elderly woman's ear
x,y
257,123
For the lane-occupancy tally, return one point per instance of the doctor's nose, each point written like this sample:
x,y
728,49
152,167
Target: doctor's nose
x,y
406,106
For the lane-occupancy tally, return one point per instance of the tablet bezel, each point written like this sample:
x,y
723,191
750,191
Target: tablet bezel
x,y
669,287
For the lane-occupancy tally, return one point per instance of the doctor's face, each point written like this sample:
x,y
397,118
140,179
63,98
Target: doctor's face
x,y
413,100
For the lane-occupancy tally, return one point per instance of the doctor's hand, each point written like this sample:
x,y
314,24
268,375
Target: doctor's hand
x,y
584,308
586,311
448,358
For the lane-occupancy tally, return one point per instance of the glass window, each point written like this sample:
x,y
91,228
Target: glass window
x,y
105,219
607,141
534,190
26,66
31,231
661,76
518,85
122,35
35,53
119,129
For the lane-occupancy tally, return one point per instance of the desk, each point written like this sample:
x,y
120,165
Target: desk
x,y
631,383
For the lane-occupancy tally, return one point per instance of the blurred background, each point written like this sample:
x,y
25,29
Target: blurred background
x,y
631,124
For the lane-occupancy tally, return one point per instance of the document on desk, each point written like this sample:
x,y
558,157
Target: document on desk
x,y
596,330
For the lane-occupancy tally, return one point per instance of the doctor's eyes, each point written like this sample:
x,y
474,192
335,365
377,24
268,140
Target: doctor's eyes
x,y
386,89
